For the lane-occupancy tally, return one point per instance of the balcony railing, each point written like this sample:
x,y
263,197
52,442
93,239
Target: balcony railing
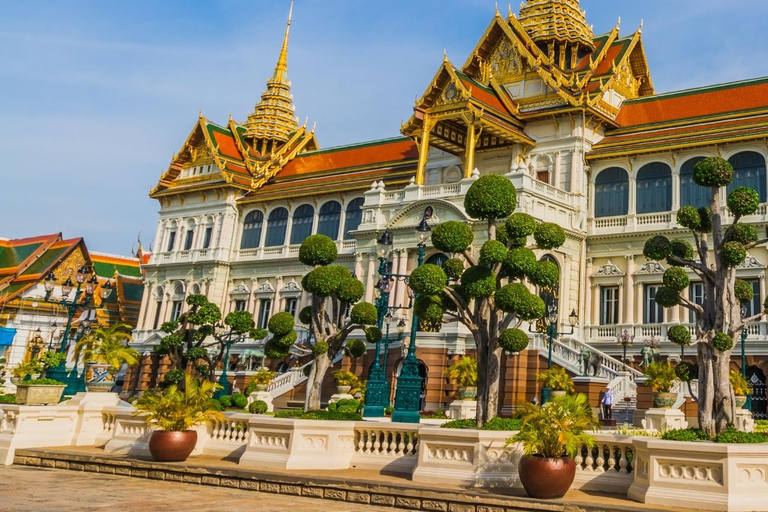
x,y
190,256
642,332
288,251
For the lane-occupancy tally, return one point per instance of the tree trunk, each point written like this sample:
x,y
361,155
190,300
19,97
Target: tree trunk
x,y
723,410
315,382
705,354
494,381
482,379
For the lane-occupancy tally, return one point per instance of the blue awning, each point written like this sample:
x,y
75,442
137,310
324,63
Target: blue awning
x,y
6,336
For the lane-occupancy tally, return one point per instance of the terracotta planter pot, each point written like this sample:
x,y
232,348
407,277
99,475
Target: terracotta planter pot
x,y
741,400
546,478
98,377
466,392
172,446
664,400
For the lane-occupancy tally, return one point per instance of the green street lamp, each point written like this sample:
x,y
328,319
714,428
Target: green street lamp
x,y
744,333
550,321
409,382
73,381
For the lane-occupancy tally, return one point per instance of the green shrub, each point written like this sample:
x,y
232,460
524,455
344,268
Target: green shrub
x,y
286,341
667,297
713,172
515,298
503,424
688,217
258,407
661,376
743,201
733,253
7,399
453,268
686,371
513,341
520,262
372,334
657,248
350,290
364,313
744,234
305,315
545,274
274,351
225,401
492,253
317,250
731,435
761,426
388,410
429,308
41,382
259,333
520,225
214,404
688,434
478,282
490,197
437,414
680,248
679,335
722,342
346,405
325,281
452,237
320,347
172,377
239,400
676,278
705,215
460,424
356,348
549,235
281,323
427,279
320,415
743,291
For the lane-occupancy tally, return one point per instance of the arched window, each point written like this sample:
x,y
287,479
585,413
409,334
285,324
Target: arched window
x,y
252,230
749,171
354,216
437,259
692,194
654,188
277,222
303,218
329,219
611,192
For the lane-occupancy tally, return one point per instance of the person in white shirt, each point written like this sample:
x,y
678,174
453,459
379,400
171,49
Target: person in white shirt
x,y
607,404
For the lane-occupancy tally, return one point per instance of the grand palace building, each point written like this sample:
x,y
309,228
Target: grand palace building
x,y
569,116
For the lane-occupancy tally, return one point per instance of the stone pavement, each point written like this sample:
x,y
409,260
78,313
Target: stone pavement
x,y
28,489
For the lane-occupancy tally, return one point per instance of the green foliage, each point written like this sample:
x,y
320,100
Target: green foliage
x,y
240,322
239,400
319,415
325,281
515,298
502,235
30,367
225,401
557,379
274,351
549,235
761,426
263,377
743,201
667,297
196,353
744,234
388,410
545,274
688,217
345,405
452,237
722,342
174,410
733,253
520,225
713,172
657,248
281,323
196,300
357,348
317,250
661,376
453,268
463,371
731,435
372,334
108,345
259,333
41,382
320,347
305,315
172,377
492,253
51,359
556,428
364,313
743,291
350,290
513,341
7,399
436,414
676,278
688,434
258,407
428,279
491,197
285,341
680,248
345,378
705,215
478,282
679,335
686,372
496,424
739,383
215,405
429,308
207,314
520,262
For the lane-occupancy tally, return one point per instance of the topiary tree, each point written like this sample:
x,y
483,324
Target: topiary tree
x,y
333,288
719,250
487,293
193,337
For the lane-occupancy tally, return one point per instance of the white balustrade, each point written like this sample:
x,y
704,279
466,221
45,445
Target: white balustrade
x,y
610,222
653,218
379,445
607,466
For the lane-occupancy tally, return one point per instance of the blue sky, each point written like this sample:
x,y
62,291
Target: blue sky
x,y
95,96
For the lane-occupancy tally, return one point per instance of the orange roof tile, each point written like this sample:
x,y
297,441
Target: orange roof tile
x,y
378,152
226,143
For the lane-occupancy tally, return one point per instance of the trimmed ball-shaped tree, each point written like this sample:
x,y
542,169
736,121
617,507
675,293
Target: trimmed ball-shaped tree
x,y
274,351
305,315
317,250
320,347
744,234
545,274
688,217
515,298
492,253
549,235
286,340
427,279
713,172
667,297
686,371
478,282
679,335
452,237
743,201
520,225
350,290
733,253
429,308
281,323
743,291
513,341
722,342
325,281
520,262
657,248
364,313
356,348
453,268
491,196
680,248
676,278
372,334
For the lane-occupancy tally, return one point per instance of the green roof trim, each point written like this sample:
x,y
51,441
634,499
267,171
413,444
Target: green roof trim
x,y
45,260
698,90
107,269
133,292
14,256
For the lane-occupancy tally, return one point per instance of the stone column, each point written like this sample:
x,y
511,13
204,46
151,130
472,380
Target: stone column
x,y
556,170
632,204
401,286
370,278
595,304
588,290
145,298
359,265
629,291
576,170
639,317
675,189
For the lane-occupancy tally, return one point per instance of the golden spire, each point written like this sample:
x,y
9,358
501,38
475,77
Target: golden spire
x,y
273,121
561,21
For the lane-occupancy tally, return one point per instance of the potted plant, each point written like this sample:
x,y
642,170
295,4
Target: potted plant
x,y
173,412
741,388
464,372
104,351
39,392
552,434
661,377
262,378
33,367
557,380
345,380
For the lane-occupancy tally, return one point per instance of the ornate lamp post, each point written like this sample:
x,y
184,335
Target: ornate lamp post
x,y
625,340
73,381
229,338
744,334
409,382
550,321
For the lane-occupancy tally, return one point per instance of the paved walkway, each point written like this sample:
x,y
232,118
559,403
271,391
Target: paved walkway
x,y
28,489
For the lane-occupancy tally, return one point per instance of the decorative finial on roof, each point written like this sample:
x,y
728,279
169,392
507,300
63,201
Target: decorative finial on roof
x,y
200,113
445,55
641,26
511,14
618,23
497,9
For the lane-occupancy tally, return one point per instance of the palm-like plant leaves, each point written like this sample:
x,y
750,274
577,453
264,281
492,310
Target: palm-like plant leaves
x,y
108,345
464,371
174,410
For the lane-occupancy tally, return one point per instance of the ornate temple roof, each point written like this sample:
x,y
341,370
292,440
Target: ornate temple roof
x,y
558,20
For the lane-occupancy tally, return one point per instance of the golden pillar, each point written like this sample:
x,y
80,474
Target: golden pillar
x,y
426,129
469,159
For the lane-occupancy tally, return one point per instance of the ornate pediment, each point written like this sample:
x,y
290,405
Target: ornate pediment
x,y
265,287
505,61
442,211
292,286
651,267
609,269
751,262
240,289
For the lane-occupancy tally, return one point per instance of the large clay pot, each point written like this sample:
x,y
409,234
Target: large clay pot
x,y
466,392
172,446
741,400
664,400
547,478
343,390
98,377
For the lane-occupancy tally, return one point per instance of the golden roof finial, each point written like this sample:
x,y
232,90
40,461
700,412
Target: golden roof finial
x,y
281,70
